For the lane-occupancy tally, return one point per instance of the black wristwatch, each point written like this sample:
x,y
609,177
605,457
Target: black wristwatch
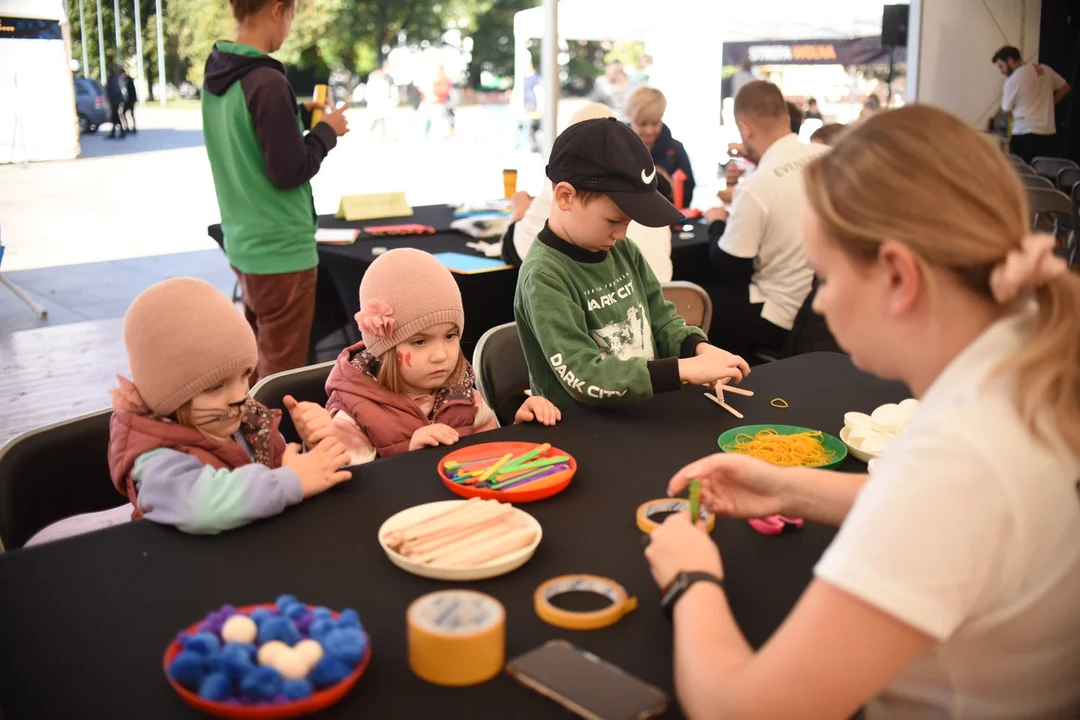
x,y
681,584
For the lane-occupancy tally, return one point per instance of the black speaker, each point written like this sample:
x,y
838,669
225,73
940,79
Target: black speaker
x,y
894,19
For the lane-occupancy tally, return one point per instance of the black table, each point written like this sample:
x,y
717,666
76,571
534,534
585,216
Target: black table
x,y
488,298
105,605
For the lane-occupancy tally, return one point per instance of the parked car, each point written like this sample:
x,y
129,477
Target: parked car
x,y
90,104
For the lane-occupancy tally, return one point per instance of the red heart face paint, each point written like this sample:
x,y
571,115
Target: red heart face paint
x,y
404,358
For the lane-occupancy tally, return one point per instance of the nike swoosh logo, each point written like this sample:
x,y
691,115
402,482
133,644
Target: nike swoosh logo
x,y
647,179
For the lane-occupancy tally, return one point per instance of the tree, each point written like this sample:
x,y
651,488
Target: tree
x,y
374,26
492,33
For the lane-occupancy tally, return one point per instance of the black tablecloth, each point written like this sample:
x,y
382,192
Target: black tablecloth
x,y
84,622
487,297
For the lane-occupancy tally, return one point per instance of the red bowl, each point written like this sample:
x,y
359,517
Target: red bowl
x,y
551,485
320,700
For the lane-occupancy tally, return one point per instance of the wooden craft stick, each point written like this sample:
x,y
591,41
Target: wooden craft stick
x,y
724,405
737,390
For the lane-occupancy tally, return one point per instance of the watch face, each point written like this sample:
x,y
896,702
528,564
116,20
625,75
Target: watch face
x,y
674,590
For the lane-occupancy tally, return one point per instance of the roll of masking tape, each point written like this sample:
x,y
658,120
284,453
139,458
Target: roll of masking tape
x,y
621,603
647,510
456,637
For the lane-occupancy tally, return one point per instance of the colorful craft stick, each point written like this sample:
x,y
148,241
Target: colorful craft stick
x,y
538,450
542,462
531,477
454,465
695,500
493,469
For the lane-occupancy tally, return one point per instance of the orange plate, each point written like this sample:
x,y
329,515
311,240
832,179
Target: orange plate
x,y
321,700
545,488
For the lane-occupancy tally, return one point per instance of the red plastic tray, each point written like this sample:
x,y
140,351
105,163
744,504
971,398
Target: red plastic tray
x,y
551,485
321,700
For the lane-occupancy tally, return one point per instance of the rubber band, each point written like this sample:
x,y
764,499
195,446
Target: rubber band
x,y
779,403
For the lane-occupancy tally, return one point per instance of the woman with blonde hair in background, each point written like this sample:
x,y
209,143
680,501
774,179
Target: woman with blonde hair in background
x,y
952,587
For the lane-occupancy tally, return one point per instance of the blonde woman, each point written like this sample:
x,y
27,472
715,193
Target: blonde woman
x,y
645,112
953,586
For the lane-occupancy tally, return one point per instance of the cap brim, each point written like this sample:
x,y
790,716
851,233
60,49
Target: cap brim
x,y
650,209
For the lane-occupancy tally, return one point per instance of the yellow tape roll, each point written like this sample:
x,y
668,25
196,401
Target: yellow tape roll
x,y
668,505
621,603
456,637
321,92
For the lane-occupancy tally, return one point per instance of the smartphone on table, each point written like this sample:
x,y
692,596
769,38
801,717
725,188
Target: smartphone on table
x,y
585,684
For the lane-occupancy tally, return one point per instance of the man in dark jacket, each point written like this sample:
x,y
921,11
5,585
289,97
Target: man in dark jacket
x,y
114,90
131,95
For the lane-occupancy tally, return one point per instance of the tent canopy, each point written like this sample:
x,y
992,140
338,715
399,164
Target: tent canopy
x,y
37,9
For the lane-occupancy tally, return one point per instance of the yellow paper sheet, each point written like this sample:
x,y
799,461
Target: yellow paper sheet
x,y
373,206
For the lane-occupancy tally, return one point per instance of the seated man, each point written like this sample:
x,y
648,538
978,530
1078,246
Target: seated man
x,y
761,273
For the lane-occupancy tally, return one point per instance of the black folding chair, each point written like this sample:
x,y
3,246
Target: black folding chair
x,y
304,384
52,473
1020,166
1036,181
1067,178
1048,167
501,372
1053,212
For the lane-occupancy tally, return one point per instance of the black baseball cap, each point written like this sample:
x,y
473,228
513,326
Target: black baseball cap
x,y
606,156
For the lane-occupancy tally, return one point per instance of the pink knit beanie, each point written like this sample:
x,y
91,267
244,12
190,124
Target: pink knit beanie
x,y
183,337
406,291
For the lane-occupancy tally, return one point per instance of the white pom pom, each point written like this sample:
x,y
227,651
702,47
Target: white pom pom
x,y
291,664
310,650
269,652
239,629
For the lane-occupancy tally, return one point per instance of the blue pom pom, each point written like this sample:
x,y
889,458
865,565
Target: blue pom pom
x,y
204,643
297,689
213,663
187,669
237,660
262,683
328,671
346,644
279,628
321,628
284,601
323,613
295,611
261,615
349,618
216,686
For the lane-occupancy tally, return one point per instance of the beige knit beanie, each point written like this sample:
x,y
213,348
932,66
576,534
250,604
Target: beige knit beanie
x,y
406,291
183,337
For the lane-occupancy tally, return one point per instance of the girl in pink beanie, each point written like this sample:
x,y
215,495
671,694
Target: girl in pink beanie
x,y
187,445
407,385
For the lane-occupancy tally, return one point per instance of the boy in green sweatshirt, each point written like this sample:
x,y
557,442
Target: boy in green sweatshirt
x,y
262,163
591,315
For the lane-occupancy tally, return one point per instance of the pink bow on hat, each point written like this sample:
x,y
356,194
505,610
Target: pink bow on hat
x,y
374,319
1030,266
126,398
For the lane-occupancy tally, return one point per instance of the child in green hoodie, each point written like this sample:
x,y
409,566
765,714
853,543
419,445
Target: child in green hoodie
x,y
262,164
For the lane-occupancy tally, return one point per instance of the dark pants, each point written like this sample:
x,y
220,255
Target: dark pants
x,y
116,120
280,310
1029,146
737,325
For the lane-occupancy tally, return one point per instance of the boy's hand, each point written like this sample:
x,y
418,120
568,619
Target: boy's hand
x,y
313,105
312,421
433,436
712,365
319,469
714,214
337,121
539,409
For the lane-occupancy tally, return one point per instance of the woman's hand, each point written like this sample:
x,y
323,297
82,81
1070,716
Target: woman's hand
x,y
734,485
678,546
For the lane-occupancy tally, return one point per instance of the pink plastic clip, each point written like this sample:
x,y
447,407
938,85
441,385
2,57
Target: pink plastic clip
x,y
775,524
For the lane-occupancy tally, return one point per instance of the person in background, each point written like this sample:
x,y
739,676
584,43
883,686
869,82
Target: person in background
x,y
380,95
795,116
645,113
1031,92
951,587
262,163
407,384
131,96
828,134
611,88
528,217
741,77
532,107
870,107
812,112
114,91
762,275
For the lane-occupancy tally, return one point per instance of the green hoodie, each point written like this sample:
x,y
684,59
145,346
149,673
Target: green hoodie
x,y
261,161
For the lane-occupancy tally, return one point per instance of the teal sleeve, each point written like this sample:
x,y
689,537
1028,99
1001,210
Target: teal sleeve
x,y
670,331
175,488
558,323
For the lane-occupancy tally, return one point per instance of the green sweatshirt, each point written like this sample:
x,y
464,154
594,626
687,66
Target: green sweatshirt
x,y
595,326
262,161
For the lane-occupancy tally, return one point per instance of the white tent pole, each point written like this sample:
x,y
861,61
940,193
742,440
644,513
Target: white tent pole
x,y
139,56
100,45
116,24
549,73
160,54
82,40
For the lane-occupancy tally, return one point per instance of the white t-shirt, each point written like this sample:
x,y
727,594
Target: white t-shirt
x,y
654,243
766,224
1029,96
969,531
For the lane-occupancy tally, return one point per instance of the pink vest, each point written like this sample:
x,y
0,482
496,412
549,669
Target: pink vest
x,y
390,419
131,435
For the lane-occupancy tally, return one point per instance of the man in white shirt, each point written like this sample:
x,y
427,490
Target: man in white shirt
x,y
1031,92
761,271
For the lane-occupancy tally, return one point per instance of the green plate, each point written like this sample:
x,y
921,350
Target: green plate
x,y
828,441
